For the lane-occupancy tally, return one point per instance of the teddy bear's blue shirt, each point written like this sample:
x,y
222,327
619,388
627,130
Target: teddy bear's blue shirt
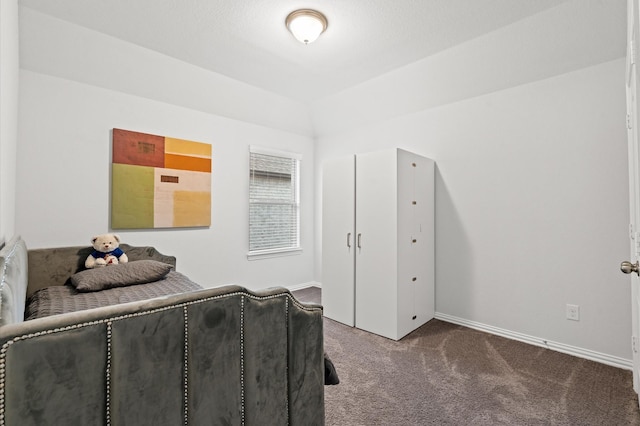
x,y
100,254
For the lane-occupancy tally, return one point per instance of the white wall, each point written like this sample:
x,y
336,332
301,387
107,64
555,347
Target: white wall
x,y
63,180
531,205
9,67
55,47
573,35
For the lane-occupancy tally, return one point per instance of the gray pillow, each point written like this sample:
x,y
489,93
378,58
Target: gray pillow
x,y
120,275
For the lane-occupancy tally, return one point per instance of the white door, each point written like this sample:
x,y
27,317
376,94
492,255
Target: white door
x,y
376,248
631,267
338,240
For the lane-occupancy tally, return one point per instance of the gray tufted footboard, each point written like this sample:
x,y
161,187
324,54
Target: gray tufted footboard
x,y
222,356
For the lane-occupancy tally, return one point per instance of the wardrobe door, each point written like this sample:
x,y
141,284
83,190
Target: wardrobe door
x,y
376,216
338,240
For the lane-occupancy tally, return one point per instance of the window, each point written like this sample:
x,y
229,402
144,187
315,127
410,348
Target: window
x,y
274,202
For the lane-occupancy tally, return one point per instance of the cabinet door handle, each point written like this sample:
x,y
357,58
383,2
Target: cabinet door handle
x,y
359,236
349,239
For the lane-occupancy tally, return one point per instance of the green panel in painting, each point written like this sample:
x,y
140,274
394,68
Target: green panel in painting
x,y
131,196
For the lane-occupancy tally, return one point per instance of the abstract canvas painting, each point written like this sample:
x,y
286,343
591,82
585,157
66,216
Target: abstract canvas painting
x,y
159,182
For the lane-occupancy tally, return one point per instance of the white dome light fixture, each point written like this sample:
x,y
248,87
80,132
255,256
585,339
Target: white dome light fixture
x,y
306,25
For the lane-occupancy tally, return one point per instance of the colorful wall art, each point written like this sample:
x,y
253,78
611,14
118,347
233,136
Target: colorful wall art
x,y
159,182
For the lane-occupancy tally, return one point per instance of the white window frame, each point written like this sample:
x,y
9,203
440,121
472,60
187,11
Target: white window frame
x,y
280,251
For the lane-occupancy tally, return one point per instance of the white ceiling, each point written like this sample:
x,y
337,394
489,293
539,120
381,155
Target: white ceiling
x,y
247,39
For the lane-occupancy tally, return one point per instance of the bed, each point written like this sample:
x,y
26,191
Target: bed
x,y
109,285
222,355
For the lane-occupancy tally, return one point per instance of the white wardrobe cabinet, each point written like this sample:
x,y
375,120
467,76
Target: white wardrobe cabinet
x,y
378,241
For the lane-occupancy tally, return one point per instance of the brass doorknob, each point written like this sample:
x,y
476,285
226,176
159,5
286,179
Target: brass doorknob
x,y
628,267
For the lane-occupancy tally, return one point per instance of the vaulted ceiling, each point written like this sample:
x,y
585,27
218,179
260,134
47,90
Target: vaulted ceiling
x,y
248,41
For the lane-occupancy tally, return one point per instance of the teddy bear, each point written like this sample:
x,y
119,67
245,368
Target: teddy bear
x,y
106,251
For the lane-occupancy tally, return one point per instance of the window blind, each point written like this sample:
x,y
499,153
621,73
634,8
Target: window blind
x,y
274,210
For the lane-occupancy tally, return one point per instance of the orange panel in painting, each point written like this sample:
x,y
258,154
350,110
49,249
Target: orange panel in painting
x,y
183,162
138,149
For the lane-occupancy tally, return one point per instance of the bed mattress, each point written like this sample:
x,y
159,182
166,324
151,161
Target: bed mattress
x,y
64,299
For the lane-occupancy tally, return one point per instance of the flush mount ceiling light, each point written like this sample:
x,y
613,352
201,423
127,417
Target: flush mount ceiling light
x,y
306,25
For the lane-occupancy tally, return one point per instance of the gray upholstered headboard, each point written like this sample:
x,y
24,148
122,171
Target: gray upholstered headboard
x,y
13,281
54,266
23,271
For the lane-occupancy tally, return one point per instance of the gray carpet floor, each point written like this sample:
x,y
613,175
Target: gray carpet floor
x,y
445,374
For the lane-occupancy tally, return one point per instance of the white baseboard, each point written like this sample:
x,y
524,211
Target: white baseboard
x,y
304,285
611,360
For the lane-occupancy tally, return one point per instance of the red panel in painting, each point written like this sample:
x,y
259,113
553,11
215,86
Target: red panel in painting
x,y
138,149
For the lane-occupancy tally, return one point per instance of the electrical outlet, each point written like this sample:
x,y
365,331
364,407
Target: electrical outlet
x,y
573,312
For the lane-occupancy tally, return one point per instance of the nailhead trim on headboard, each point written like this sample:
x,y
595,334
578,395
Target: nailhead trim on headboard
x,y
186,366
242,412
108,376
286,369
108,324
2,374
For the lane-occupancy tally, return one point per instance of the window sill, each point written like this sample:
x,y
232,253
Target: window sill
x,y
268,254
